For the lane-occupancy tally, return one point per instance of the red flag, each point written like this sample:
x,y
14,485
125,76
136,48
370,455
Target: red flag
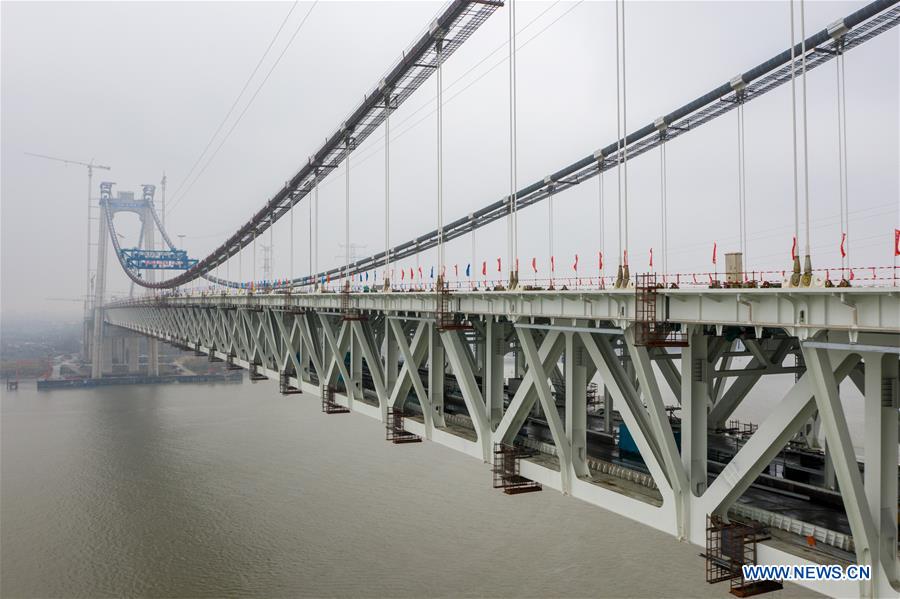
x,y
827,275
715,250
695,278
625,257
852,275
651,257
575,265
600,260
552,264
843,239
402,274
412,275
456,270
499,265
897,242
534,264
794,249
420,272
484,267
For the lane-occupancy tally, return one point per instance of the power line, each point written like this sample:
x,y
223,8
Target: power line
x,y
246,107
236,100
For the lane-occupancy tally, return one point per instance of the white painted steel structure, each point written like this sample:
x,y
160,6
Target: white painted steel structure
x,y
561,340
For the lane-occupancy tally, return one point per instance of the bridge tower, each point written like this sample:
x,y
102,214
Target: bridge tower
x,y
148,242
100,344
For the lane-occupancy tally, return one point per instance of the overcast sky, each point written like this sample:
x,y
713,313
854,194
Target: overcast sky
x,y
143,86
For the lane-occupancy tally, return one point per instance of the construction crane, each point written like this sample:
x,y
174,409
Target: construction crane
x,y
90,173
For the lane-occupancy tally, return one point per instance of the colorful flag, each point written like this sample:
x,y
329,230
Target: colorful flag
x,y
484,268
575,264
456,270
420,272
897,242
432,272
843,239
469,269
534,264
715,251
499,265
651,257
794,249
552,263
600,261
403,274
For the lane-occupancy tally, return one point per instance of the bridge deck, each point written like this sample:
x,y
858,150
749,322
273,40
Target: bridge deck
x,y
799,312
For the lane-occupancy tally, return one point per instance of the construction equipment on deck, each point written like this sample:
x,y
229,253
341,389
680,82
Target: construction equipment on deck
x,y
394,430
445,316
649,330
329,406
255,375
729,547
284,384
506,470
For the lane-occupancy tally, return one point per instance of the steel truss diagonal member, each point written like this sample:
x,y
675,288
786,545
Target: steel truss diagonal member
x,y
461,365
794,409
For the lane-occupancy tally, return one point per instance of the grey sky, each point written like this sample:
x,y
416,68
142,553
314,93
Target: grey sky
x,y
142,86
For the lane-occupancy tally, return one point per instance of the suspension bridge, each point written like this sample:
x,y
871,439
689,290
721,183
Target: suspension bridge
x,y
561,381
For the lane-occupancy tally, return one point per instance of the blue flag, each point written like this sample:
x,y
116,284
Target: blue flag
x,y
432,272
367,275
468,270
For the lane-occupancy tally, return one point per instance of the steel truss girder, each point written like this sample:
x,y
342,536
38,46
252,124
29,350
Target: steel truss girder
x,y
284,339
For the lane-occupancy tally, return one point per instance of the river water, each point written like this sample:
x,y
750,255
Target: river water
x,y
235,490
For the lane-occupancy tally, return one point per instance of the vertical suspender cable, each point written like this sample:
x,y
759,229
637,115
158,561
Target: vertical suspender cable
x,y
619,149
664,210
550,236
842,155
843,92
254,257
601,224
513,244
795,278
387,190
625,143
746,185
272,247
840,146
315,252
472,263
291,273
807,266
440,160
742,179
347,217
